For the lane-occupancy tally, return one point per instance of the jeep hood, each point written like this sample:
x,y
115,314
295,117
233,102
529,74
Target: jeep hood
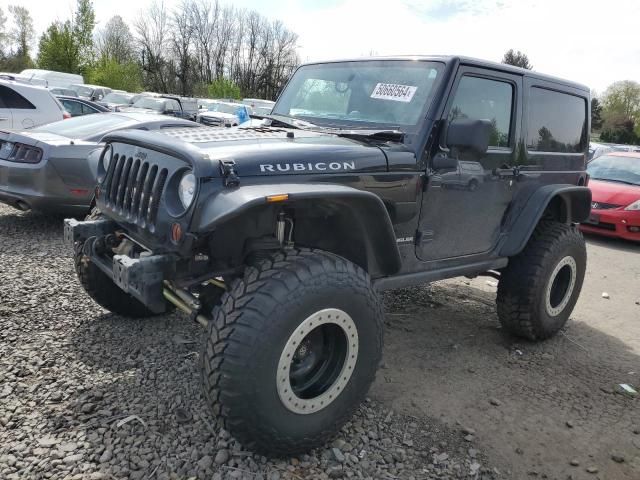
x,y
274,151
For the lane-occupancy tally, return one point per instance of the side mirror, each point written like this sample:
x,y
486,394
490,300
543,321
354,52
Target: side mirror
x,y
467,134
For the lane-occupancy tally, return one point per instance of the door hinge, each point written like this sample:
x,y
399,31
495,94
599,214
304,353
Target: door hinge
x,y
231,178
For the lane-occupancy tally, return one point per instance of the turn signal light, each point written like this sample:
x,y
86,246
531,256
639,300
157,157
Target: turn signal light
x,y
283,197
176,233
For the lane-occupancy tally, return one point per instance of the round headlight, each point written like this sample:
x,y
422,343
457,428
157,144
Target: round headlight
x,y
106,157
187,189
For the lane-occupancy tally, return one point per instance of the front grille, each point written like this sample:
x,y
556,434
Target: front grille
x,y
132,188
211,122
604,206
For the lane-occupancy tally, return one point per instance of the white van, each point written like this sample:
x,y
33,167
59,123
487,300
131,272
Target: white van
x,y
16,77
53,79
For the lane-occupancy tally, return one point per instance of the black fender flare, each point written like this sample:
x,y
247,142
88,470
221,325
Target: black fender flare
x,y
370,217
575,203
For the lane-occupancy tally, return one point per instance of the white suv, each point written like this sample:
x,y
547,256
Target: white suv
x,y
25,106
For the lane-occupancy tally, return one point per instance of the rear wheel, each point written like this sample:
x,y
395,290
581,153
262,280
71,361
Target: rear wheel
x,y
292,350
541,285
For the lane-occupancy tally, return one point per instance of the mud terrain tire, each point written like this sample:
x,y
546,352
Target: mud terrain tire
x,y
290,310
540,286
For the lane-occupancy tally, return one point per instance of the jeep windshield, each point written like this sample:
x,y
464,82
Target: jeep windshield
x,y
372,94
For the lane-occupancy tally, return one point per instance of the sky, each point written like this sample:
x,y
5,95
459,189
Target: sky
x,y
594,43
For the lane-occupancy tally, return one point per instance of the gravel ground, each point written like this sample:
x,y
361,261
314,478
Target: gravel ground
x,y
85,394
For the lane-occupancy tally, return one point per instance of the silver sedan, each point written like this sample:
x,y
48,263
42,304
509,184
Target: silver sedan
x,y
51,168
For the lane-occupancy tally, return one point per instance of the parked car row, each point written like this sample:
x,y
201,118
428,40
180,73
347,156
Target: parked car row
x,y
597,149
52,168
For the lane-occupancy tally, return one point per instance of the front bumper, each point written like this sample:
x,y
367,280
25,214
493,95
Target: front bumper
x,y
614,223
142,278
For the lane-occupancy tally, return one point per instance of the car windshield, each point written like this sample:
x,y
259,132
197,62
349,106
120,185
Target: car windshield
x,y
84,126
150,103
362,94
615,169
82,90
263,110
222,107
117,98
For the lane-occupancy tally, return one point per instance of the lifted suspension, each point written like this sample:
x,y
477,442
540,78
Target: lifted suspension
x,y
186,302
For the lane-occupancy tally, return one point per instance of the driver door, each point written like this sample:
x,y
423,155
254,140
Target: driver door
x,y
464,203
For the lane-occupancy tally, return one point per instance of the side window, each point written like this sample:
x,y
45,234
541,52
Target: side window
x,y
86,110
483,99
74,108
12,99
174,105
557,122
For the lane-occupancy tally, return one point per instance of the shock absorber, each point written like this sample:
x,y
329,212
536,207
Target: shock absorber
x,y
280,228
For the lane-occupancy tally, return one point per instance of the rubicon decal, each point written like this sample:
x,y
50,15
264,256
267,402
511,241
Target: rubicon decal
x,y
307,167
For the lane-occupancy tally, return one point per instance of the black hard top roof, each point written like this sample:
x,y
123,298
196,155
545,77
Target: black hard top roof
x,y
476,62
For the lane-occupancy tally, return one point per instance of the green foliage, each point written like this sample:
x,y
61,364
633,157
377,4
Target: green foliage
x,y
623,132
83,25
517,59
68,46
622,99
4,37
596,115
224,88
59,49
621,113
119,76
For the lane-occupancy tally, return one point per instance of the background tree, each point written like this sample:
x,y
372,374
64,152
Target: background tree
x,y
83,24
4,37
517,59
596,115
621,112
117,75
22,35
224,88
115,41
58,49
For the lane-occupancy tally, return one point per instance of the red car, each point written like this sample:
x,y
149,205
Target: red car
x,y
615,188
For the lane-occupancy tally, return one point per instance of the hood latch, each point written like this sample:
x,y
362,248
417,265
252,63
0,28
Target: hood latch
x,y
231,178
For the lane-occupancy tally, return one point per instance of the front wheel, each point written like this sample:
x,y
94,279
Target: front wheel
x,y
292,350
541,285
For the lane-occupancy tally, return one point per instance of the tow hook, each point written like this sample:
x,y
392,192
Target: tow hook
x,y
186,302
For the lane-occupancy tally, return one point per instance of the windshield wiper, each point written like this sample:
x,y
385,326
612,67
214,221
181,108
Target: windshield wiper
x,y
616,180
383,135
284,121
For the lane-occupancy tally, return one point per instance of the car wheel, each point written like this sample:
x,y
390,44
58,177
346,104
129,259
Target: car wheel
x,y
541,285
292,350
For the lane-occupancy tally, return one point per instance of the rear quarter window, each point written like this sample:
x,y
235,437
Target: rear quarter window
x,y
9,98
557,122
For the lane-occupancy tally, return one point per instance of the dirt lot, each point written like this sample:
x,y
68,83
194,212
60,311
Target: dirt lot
x,y
456,398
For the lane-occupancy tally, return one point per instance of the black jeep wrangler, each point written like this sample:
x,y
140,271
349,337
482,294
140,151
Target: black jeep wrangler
x,y
278,238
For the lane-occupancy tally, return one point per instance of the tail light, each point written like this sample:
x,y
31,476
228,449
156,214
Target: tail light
x,y
65,115
20,153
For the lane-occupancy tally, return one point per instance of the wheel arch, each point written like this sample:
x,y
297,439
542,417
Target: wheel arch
x,y
563,203
352,223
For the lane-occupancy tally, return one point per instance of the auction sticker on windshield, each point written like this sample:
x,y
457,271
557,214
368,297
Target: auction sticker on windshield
x,y
391,91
